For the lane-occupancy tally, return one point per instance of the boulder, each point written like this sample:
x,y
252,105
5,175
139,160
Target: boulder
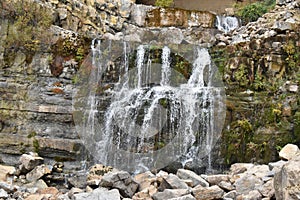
x,y
96,172
145,180
287,180
226,185
289,151
145,194
170,193
238,168
37,173
267,190
5,172
230,195
9,187
247,183
99,194
215,179
259,171
120,180
3,193
276,166
252,195
207,193
196,179
173,182
29,161
39,184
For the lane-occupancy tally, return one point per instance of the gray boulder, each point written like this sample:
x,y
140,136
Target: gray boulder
x,y
99,194
120,180
174,182
287,180
169,194
190,175
247,183
37,173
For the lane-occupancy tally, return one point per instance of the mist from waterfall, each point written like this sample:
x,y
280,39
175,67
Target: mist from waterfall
x,y
155,114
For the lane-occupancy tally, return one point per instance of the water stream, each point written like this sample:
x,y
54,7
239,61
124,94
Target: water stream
x,y
227,23
153,114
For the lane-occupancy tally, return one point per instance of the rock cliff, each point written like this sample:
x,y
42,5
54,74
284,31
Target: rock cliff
x,y
259,62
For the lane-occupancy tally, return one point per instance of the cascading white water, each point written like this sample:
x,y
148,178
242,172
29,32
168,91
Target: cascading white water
x,y
155,114
227,23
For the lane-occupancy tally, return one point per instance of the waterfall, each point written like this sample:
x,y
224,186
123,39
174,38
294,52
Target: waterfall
x,y
155,115
227,23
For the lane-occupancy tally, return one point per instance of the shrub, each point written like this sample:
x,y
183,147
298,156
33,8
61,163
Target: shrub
x,y
164,3
253,11
30,21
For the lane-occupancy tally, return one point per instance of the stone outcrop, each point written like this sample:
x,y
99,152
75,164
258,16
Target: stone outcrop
x,y
36,90
287,180
120,180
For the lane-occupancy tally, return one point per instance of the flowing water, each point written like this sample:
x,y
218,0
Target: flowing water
x,y
227,23
153,114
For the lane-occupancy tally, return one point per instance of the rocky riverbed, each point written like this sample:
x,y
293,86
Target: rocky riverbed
x,y
33,179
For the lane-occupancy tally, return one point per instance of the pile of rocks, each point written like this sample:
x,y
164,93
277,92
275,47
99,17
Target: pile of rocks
x,y
284,19
34,180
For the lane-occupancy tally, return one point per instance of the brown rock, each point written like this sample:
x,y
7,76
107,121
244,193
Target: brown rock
x,y
5,172
208,193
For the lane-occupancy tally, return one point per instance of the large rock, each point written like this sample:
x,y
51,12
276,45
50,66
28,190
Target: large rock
x,y
29,161
287,180
5,172
99,194
120,180
215,179
145,180
289,151
173,182
37,173
238,168
196,179
208,193
169,194
252,195
3,193
96,172
247,183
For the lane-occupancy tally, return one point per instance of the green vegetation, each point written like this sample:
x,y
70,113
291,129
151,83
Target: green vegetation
x,y
36,145
164,3
30,21
293,56
253,11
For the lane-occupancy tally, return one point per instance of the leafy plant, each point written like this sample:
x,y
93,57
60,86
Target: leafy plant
x,y
292,55
164,3
253,11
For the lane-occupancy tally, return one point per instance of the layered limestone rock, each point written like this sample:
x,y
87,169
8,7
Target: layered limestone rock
x,y
263,113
